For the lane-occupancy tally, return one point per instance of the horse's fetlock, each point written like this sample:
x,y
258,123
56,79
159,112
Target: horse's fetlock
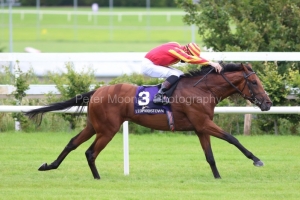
x,y
53,165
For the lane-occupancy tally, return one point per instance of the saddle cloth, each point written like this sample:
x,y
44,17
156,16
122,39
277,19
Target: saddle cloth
x,y
143,104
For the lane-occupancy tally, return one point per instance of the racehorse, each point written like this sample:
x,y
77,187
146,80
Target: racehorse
x,y
190,111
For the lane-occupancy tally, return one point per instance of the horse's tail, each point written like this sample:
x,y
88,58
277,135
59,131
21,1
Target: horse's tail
x,y
80,100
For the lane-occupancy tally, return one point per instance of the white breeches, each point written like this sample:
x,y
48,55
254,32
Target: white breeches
x,y
156,71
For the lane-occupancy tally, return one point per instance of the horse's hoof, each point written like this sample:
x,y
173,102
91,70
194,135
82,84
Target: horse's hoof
x,y
258,164
43,167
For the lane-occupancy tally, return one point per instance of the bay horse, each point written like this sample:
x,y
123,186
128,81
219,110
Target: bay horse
x,y
192,102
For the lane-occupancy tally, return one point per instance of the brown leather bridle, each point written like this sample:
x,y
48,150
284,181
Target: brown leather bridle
x,y
251,98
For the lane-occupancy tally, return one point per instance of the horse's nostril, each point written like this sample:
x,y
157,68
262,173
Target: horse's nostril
x,y
269,103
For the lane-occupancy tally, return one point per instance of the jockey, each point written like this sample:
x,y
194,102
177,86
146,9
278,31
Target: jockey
x,y
157,64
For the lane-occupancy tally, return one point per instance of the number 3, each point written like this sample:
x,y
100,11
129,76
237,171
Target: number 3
x,y
144,100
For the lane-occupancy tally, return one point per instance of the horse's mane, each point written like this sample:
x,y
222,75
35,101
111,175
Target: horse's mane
x,y
229,67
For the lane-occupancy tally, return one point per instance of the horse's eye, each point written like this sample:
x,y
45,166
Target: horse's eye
x,y
254,82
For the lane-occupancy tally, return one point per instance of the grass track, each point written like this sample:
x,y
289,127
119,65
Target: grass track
x,y
162,166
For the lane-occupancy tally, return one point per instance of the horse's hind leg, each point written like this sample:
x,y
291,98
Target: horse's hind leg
x,y
93,151
83,136
206,146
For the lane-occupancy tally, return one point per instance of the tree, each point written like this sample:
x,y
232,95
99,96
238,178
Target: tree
x,y
256,25
71,84
21,84
277,90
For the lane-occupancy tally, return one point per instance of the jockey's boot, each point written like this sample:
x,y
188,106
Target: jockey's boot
x,y
161,97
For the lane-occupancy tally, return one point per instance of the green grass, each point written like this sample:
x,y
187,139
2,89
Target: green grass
x,y
162,166
58,33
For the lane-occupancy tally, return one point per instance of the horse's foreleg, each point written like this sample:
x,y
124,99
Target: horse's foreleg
x,y
232,140
206,146
214,130
83,136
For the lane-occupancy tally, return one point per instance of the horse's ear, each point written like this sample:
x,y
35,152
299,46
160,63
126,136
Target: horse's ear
x,y
249,65
245,66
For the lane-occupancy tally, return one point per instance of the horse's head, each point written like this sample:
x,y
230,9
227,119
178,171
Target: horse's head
x,y
252,89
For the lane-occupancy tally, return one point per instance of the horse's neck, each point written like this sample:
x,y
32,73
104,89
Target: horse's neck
x,y
223,89
213,86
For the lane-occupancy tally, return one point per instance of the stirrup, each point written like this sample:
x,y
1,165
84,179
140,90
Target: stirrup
x,y
161,99
165,100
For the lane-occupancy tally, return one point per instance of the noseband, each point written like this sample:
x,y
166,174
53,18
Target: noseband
x,y
251,98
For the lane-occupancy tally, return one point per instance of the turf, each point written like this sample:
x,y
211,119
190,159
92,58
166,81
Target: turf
x,y
162,166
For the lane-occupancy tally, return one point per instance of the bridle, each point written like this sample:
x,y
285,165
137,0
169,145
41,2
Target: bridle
x,y
251,98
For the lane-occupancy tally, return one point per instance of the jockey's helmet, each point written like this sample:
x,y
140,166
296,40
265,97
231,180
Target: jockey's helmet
x,y
193,49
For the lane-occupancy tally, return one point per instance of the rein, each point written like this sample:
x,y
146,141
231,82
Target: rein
x,y
203,77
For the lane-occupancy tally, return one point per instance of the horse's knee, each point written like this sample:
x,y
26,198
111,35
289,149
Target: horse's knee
x,y
231,139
